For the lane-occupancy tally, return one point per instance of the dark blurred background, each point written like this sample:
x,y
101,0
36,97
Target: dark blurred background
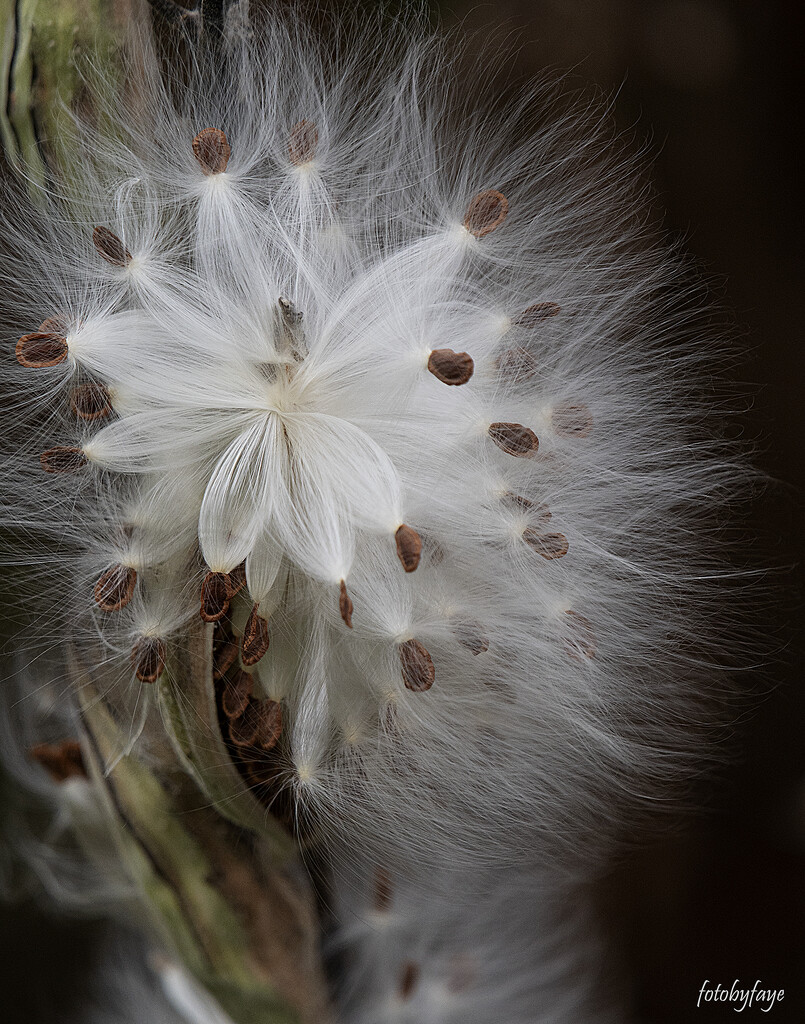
x,y
715,85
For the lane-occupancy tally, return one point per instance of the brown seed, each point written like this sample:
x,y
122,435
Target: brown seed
x,y
245,727
269,713
581,641
259,724
303,142
515,439
63,460
409,547
237,579
408,980
58,324
516,363
214,596
486,211
224,655
61,760
471,636
255,638
345,605
450,367
572,419
535,509
90,401
534,315
383,890
148,657
111,247
43,348
549,545
236,694
115,588
211,149
417,666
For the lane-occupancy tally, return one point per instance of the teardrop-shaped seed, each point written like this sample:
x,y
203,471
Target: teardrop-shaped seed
x,y
534,315
115,588
63,460
43,348
408,980
572,419
255,638
345,605
211,149
111,247
90,401
515,439
516,364
549,545
451,367
236,694
471,636
303,142
486,212
148,657
214,596
409,547
62,761
417,666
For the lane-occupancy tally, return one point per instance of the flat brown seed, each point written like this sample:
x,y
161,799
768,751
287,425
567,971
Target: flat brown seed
x,y
62,761
255,638
43,348
486,212
549,545
269,713
471,636
303,142
148,657
236,694
245,727
214,596
515,439
572,419
383,890
111,247
345,605
450,367
224,656
408,980
417,666
115,588
516,363
581,641
90,401
409,547
63,460
211,149
534,315
237,579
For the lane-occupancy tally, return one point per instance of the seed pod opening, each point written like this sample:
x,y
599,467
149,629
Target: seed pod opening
x,y
451,367
211,150
417,666
43,348
115,588
409,547
515,439
111,247
486,212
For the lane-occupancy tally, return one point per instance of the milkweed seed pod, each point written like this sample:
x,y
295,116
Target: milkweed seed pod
x,y
361,433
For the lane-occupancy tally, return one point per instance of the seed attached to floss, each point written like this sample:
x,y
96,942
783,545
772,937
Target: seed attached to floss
x,y
111,247
549,545
115,588
211,150
237,579
514,439
409,547
572,419
62,761
255,638
417,666
270,715
90,401
486,212
345,605
148,657
535,315
215,590
224,655
63,460
42,348
471,636
303,143
516,364
450,367
581,641
535,509
236,694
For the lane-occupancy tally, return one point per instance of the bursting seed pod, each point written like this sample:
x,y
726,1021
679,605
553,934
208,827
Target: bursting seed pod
x,y
369,425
